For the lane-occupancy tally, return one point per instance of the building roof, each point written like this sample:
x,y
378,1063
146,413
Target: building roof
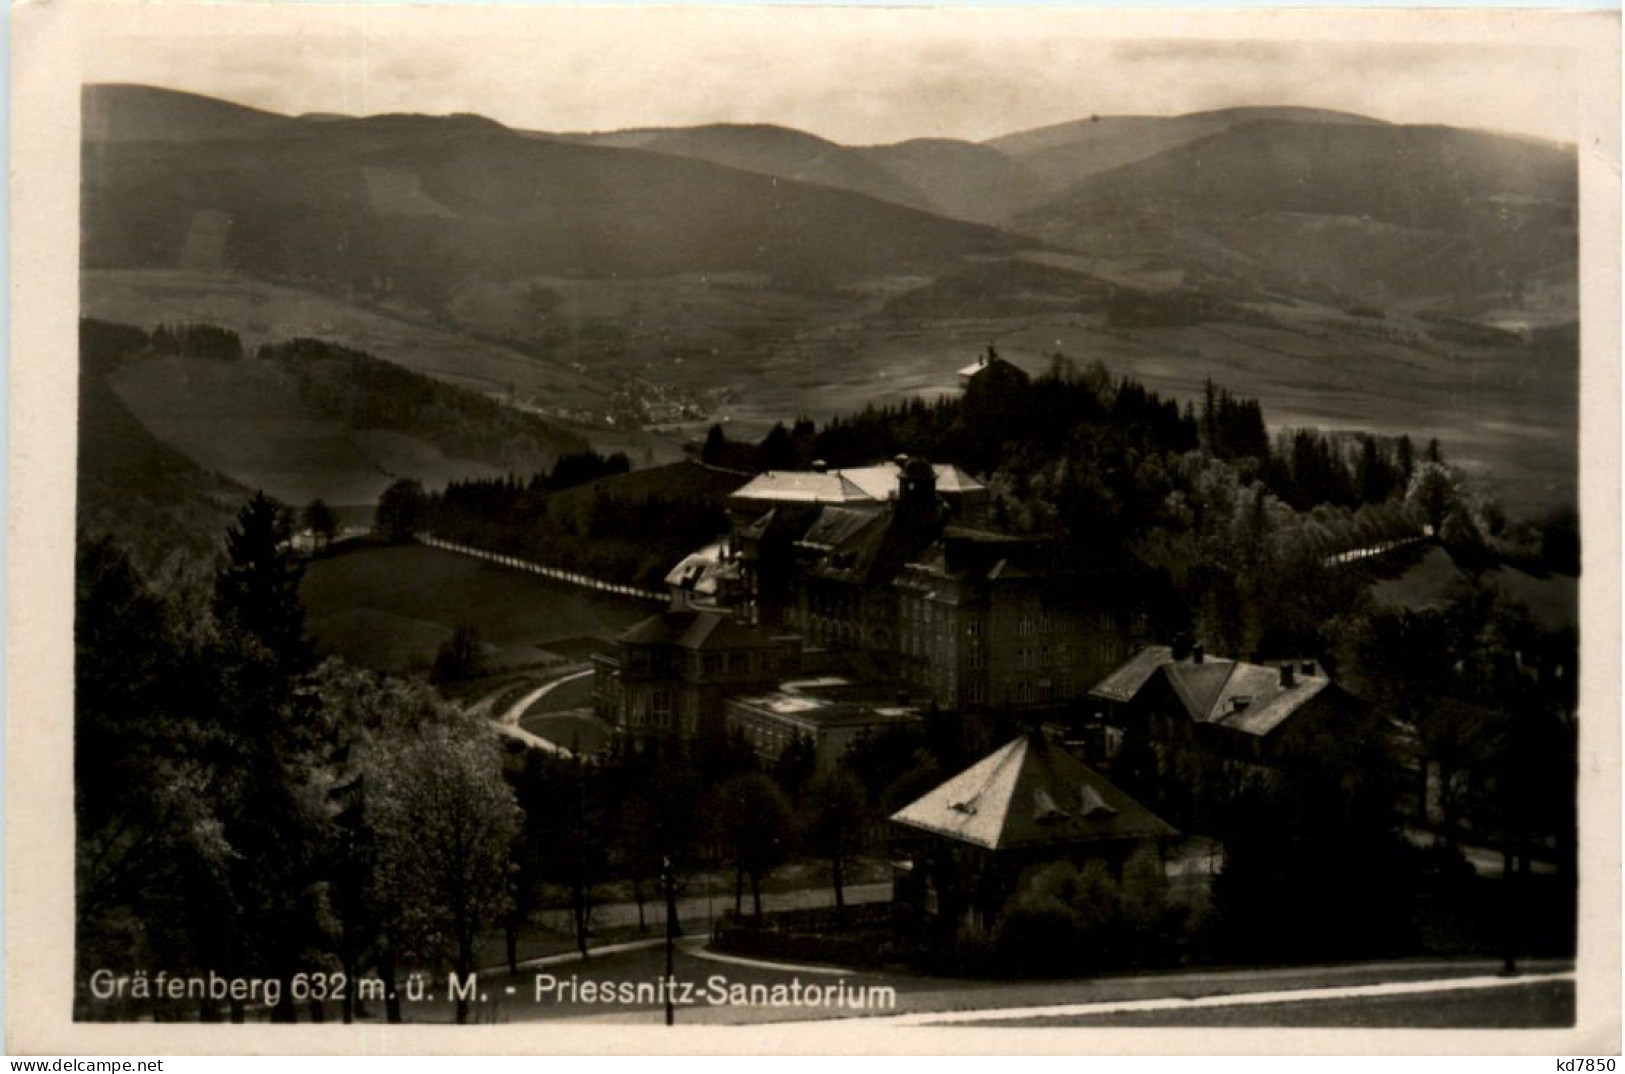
x,y
759,526
951,479
1250,698
699,572
835,526
1031,793
1123,683
802,486
811,710
854,485
696,629
880,481
981,555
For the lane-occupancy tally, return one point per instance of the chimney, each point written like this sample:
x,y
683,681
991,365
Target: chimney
x,y
901,459
1308,667
1196,653
1181,646
1288,680
819,466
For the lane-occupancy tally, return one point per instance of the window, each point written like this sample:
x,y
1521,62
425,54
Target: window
x,y
713,663
973,626
1024,658
1024,625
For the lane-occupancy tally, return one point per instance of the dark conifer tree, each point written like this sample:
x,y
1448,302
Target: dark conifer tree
x,y
258,591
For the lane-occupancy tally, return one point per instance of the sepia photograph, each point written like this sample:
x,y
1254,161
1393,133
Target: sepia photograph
x,y
819,519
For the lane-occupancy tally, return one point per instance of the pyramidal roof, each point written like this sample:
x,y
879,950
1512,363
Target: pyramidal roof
x,y
1031,793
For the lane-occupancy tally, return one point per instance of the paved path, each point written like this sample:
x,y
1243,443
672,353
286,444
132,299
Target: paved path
x,y
507,722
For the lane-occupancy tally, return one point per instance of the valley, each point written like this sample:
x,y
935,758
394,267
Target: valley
x,y
1505,408
634,287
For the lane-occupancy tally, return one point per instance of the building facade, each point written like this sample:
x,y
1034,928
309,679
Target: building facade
x,y
991,620
671,674
829,715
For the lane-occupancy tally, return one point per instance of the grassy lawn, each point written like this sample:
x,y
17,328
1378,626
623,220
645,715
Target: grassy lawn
x,y
1553,600
571,694
383,607
577,732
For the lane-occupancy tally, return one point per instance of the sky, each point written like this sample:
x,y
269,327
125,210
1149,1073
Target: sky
x,y
858,76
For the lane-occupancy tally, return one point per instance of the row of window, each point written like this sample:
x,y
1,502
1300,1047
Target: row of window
x,y
741,663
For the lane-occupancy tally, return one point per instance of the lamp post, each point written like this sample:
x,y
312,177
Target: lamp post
x,y
668,884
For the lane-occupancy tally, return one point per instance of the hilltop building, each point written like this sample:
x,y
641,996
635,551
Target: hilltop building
x,y
990,372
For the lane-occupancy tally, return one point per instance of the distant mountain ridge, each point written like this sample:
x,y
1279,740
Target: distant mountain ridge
x,y
1067,152
1381,211
422,205
771,150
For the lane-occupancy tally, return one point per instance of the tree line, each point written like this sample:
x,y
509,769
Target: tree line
x,y
567,517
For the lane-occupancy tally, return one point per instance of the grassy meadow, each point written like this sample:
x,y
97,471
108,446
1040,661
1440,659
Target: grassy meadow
x,y
246,420
389,608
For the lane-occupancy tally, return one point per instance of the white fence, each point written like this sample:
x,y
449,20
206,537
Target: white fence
x,y
1354,555
557,574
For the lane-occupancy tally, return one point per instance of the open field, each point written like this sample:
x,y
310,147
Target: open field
x,y
1554,600
264,312
245,419
385,607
